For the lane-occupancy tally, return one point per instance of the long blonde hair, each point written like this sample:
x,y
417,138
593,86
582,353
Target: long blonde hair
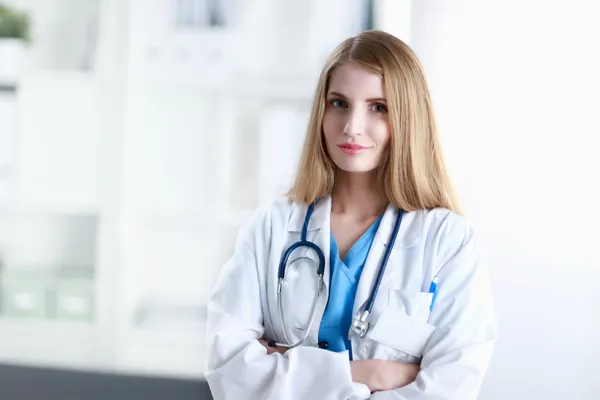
x,y
413,172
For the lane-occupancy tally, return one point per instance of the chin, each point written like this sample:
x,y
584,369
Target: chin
x,y
355,167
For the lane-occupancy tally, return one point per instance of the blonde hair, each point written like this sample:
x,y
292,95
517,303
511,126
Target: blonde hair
x,y
413,172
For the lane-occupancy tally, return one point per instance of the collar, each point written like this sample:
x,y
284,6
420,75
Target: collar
x,y
320,215
408,235
409,232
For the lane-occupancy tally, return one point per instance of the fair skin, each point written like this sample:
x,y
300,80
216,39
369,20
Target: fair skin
x,y
356,114
356,132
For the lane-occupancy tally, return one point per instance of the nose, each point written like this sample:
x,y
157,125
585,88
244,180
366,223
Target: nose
x,y
355,123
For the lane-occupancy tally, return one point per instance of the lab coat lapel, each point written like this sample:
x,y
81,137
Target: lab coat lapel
x,y
369,272
408,236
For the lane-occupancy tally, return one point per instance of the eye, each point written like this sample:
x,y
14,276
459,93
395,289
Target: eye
x,y
379,108
338,103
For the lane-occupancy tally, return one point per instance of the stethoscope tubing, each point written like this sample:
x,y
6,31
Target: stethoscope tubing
x,y
320,273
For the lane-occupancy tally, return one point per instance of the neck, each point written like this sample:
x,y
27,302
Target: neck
x,y
357,194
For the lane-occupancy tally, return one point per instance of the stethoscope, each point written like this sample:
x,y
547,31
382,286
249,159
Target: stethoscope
x,y
360,322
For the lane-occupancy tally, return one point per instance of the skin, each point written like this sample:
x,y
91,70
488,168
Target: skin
x,y
356,113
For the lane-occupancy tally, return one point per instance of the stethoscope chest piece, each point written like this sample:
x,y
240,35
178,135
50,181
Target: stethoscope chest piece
x,y
360,324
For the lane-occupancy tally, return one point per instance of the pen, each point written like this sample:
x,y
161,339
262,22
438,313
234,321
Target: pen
x,y
433,289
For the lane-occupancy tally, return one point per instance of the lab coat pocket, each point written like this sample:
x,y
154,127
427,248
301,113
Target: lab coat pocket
x,y
402,328
413,304
402,335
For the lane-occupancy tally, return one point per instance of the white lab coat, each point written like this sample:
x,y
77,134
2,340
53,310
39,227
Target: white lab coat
x,y
453,343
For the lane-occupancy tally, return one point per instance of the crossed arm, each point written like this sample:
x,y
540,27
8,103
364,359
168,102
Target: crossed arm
x,y
453,365
378,375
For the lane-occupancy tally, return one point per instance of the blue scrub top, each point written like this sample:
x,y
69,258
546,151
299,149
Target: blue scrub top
x,y
342,290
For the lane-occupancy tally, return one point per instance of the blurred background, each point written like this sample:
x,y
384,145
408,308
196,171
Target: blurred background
x,y
137,136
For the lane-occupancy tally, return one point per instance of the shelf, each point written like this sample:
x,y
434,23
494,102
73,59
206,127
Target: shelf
x,y
220,217
33,209
52,76
7,88
266,87
65,345
277,88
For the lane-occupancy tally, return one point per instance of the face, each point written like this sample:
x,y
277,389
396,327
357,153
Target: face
x,y
355,124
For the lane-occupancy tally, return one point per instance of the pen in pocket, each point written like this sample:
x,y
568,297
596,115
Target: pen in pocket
x,y
433,288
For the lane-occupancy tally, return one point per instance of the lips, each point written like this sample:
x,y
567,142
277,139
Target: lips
x,y
352,148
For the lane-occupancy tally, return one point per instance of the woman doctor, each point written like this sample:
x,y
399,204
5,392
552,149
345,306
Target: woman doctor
x,y
373,200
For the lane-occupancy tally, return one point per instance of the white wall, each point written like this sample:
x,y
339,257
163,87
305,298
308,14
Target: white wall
x,y
516,88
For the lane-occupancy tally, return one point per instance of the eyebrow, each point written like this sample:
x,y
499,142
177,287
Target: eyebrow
x,y
374,99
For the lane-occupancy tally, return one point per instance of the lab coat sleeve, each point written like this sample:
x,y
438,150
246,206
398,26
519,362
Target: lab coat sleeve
x,y
238,366
457,355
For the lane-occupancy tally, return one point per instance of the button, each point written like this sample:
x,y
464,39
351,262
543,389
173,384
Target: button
x,y
364,348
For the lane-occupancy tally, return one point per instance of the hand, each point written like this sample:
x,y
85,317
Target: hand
x,y
271,350
380,375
